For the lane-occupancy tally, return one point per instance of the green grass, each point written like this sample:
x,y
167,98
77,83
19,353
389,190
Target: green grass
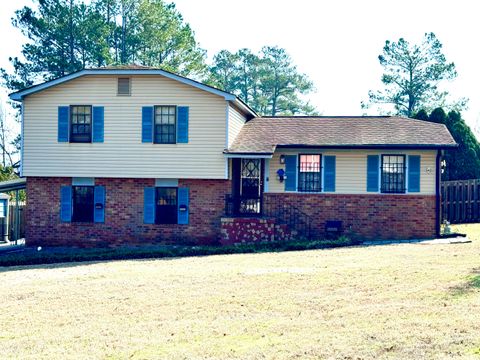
x,y
378,302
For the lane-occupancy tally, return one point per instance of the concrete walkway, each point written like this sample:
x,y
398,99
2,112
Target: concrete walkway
x,y
452,240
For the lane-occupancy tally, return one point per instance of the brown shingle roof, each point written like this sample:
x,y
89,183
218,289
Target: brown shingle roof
x,y
263,135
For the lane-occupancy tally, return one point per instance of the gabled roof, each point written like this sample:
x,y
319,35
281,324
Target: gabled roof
x,y
132,70
263,135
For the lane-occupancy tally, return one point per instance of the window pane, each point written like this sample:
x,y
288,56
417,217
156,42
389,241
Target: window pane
x,y
82,204
165,121
81,120
309,179
393,174
166,205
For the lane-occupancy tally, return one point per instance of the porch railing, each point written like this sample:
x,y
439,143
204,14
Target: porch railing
x,y
275,207
243,206
290,215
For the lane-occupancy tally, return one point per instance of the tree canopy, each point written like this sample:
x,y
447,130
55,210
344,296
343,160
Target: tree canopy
x,y
412,74
69,35
463,162
269,81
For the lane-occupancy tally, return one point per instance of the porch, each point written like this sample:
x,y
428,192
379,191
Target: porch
x,y
250,216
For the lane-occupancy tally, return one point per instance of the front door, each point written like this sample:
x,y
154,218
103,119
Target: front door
x,y
248,186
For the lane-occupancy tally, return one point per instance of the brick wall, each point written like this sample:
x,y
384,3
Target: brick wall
x,y
372,216
123,215
369,216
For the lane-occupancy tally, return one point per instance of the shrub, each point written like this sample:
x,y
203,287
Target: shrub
x,y
50,256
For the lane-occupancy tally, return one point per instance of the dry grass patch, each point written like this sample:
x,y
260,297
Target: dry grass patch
x,y
396,301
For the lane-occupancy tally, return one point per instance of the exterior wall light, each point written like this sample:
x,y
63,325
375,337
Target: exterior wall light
x,y
282,159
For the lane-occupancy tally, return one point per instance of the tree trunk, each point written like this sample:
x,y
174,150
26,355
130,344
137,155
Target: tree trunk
x,y
71,42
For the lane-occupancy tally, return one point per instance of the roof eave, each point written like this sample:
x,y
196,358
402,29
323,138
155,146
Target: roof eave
x,y
244,107
262,155
19,95
372,146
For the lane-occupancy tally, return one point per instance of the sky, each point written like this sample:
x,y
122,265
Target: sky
x,y
336,43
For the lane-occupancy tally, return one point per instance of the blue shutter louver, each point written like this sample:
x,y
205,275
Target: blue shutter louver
x,y
147,124
373,169
414,173
329,169
149,205
291,172
183,205
182,124
63,115
66,203
99,204
98,120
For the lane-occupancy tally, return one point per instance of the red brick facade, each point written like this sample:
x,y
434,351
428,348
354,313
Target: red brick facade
x,y
123,215
372,216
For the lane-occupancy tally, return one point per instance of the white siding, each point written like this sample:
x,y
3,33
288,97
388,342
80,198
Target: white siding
x,y
351,169
236,120
123,154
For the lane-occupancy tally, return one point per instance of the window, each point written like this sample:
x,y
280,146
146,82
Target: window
x,y
393,174
166,205
82,203
123,86
165,118
309,179
81,123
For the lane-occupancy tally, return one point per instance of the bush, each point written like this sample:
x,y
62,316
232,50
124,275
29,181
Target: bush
x,y
50,256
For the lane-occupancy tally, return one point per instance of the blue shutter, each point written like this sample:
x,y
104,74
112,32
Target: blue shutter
x,y
183,204
99,204
329,168
182,124
66,203
63,123
291,172
414,173
149,205
147,124
373,168
98,115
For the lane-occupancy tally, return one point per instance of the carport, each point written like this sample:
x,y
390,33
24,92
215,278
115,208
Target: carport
x,y
13,209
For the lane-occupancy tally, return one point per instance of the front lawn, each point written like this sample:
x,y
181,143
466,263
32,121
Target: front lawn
x,y
405,301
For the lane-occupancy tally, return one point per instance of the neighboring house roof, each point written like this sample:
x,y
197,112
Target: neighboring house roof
x,y
263,135
15,184
133,70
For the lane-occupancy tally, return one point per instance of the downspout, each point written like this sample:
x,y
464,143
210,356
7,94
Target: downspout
x,y
437,192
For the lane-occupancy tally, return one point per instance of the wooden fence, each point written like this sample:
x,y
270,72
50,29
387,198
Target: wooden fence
x,y
16,221
460,201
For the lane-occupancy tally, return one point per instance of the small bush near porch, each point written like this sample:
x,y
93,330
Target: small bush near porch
x,y
396,301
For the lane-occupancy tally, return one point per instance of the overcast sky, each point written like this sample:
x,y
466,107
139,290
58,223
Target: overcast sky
x,y
336,43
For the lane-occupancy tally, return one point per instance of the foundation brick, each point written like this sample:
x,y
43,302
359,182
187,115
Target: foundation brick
x,y
372,216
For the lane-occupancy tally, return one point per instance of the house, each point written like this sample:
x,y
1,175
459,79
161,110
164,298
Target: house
x,y
128,155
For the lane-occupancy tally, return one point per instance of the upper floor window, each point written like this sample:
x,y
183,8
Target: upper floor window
x,y
309,170
165,124
166,205
81,123
393,174
123,86
82,203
